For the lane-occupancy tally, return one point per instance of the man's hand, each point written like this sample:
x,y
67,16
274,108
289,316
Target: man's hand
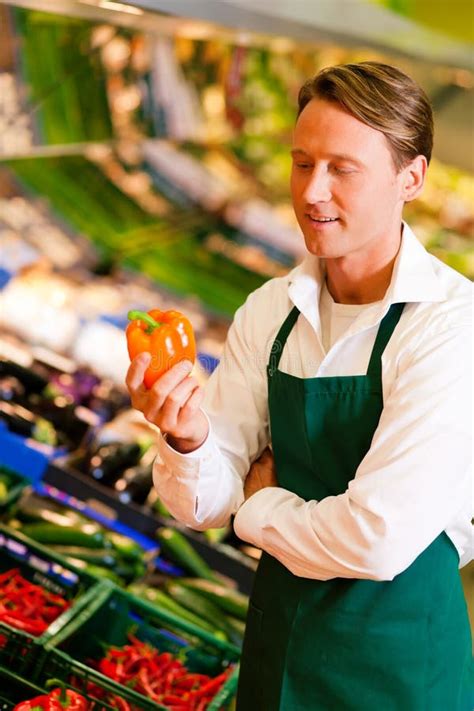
x,y
172,404
262,474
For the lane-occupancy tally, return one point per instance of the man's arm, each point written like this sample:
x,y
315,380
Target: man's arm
x,y
414,481
204,487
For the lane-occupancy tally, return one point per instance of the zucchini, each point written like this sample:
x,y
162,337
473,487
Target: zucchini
x,y
197,604
103,557
217,535
100,572
177,548
124,545
89,535
231,601
31,507
165,602
96,570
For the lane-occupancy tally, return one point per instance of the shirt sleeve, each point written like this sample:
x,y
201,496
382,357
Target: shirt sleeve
x,y
412,483
205,487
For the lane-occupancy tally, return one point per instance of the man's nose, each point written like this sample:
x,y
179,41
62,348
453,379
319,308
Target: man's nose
x,y
318,188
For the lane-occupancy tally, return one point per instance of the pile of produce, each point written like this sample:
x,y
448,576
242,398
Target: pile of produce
x,y
84,543
168,250
67,87
27,606
162,677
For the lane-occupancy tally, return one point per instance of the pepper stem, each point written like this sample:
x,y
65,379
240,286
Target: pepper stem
x,y
63,698
143,316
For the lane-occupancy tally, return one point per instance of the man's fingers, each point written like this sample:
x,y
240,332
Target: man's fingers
x,y
136,373
193,404
168,382
165,413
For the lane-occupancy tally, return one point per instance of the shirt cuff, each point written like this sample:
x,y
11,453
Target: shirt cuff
x,y
190,462
254,514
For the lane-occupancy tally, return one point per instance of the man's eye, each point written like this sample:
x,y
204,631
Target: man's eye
x,y
342,171
303,165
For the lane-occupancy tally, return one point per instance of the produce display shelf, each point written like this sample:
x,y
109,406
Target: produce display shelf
x,y
223,558
19,649
109,619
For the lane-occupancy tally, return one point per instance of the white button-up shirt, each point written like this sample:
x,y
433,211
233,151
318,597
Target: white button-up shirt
x,y
416,479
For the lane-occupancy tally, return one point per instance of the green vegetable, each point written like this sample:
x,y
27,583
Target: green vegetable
x,y
161,509
103,557
100,572
164,601
216,535
125,546
176,546
33,507
231,601
200,606
89,535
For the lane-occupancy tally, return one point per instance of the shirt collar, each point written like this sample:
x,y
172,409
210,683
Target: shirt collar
x,y
414,280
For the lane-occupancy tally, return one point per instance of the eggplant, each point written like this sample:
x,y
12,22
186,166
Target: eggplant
x,y
109,461
32,382
135,484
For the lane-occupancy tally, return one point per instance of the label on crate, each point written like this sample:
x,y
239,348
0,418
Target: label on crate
x,y
50,574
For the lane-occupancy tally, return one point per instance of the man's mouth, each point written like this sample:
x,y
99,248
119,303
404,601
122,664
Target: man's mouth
x,y
322,219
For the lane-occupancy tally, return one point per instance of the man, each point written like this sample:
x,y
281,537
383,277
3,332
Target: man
x,y
356,367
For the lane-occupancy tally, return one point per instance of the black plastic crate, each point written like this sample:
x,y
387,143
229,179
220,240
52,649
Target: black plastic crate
x,y
14,689
19,650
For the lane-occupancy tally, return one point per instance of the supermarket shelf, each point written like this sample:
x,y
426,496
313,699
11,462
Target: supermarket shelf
x,y
55,150
345,22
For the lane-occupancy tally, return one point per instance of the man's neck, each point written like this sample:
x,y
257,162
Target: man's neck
x,y
357,279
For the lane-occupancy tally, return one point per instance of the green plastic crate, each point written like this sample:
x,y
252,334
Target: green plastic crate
x,y
20,650
14,689
107,620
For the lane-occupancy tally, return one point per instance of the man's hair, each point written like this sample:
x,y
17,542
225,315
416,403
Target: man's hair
x,y
382,97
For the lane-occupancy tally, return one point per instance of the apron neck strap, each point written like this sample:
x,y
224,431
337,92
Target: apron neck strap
x,y
281,337
386,328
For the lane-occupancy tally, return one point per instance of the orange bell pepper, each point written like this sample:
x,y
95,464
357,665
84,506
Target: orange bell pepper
x,y
167,335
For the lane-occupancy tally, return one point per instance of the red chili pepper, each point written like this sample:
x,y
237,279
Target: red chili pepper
x,y
119,703
145,682
210,688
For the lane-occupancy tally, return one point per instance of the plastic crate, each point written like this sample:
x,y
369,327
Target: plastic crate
x,y
14,689
20,650
108,620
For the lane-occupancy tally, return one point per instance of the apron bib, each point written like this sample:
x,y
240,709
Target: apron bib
x,y
349,644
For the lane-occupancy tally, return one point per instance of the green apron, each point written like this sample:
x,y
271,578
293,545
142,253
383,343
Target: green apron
x,y
349,644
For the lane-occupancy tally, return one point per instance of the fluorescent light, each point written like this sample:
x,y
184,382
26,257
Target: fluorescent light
x,y
117,6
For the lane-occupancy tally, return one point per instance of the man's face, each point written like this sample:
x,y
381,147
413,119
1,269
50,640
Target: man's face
x,y
343,170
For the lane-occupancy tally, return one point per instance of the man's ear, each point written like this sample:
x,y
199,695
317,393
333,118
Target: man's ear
x,y
413,178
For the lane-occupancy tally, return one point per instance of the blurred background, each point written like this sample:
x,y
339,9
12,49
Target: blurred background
x,y
144,162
